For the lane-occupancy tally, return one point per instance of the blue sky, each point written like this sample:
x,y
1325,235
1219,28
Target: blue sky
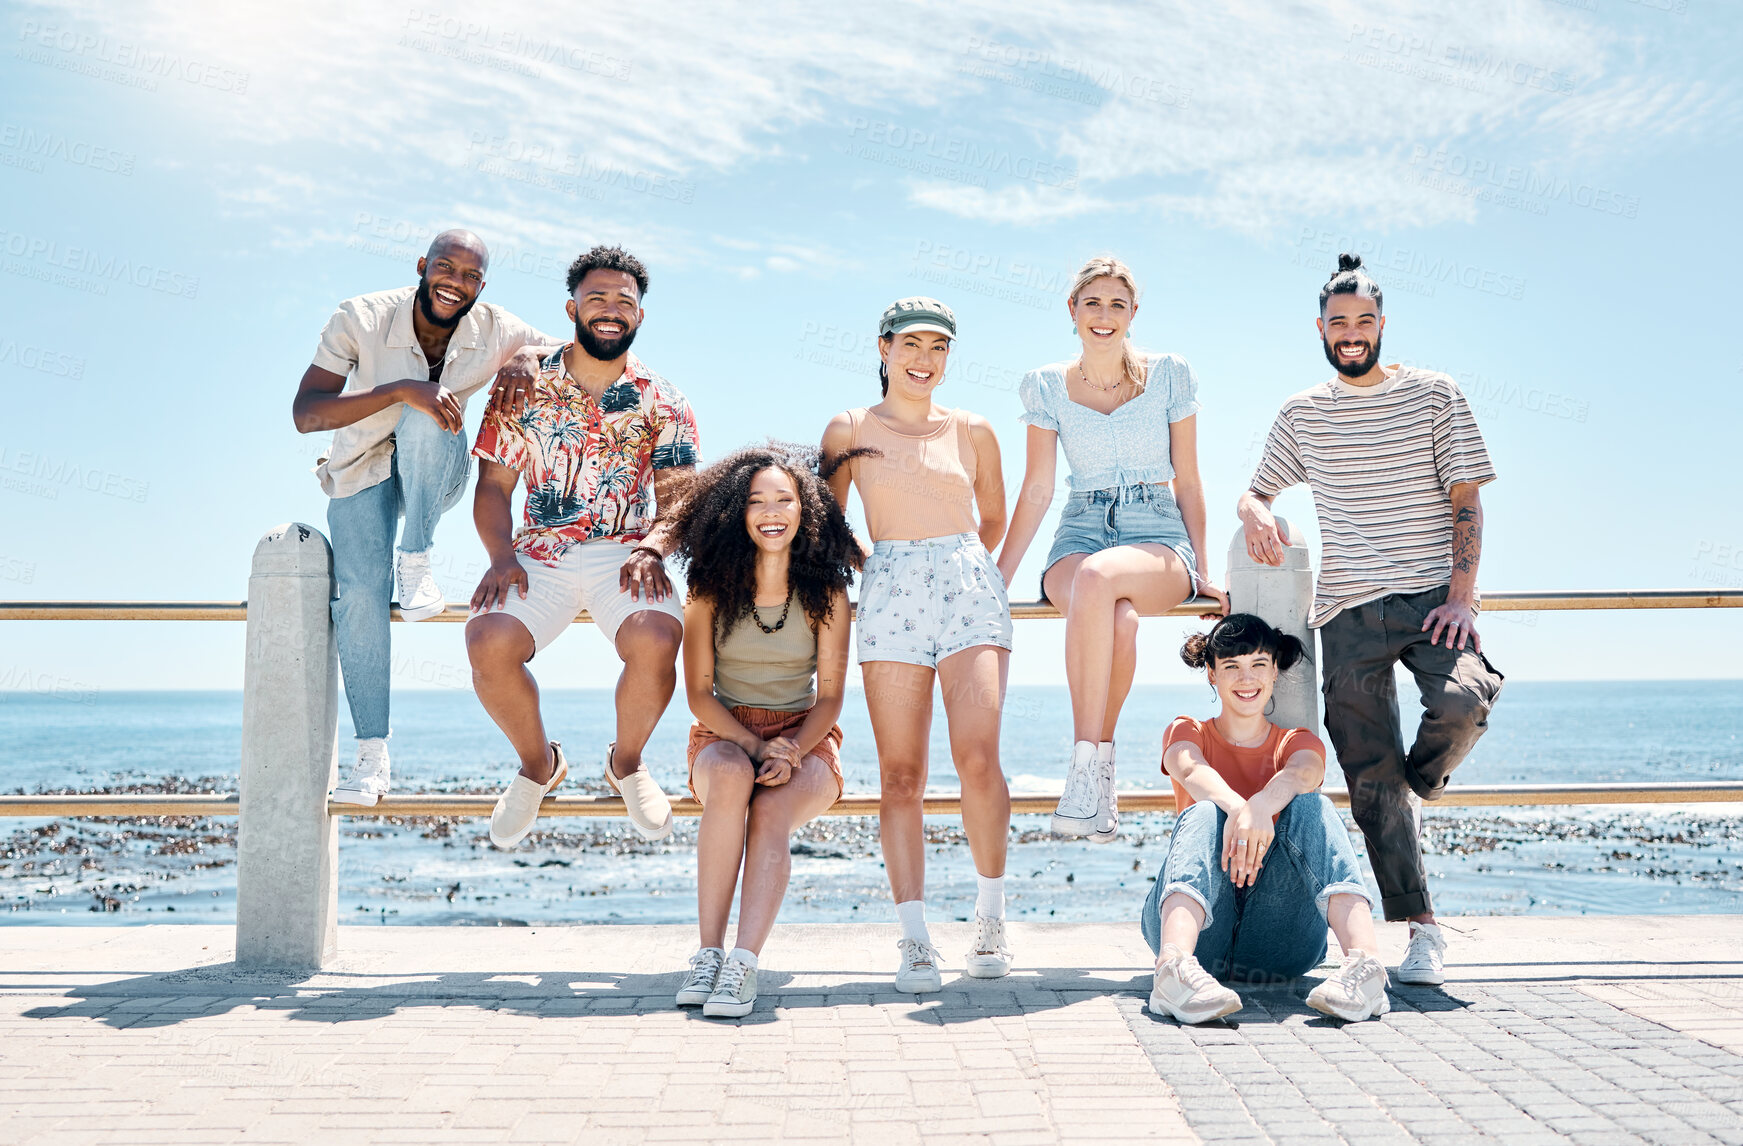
x,y
1547,190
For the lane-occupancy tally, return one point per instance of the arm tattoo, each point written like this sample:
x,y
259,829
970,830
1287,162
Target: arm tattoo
x,y
1467,539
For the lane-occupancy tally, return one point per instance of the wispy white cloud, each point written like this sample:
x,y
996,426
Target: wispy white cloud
x,y
1242,115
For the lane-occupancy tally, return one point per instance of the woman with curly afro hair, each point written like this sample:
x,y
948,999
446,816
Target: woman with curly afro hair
x,y
765,664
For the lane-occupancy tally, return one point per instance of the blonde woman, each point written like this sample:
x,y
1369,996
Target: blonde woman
x,y
1131,537
931,608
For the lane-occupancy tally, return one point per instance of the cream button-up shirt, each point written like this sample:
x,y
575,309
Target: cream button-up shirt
x,y
370,338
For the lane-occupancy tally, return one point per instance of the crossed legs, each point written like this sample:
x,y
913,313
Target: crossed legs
x,y
1102,595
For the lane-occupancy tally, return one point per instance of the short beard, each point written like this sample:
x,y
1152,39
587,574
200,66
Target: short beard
x,y
1355,369
426,307
603,349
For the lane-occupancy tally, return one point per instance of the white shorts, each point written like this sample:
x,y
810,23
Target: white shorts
x,y
922,601
586,578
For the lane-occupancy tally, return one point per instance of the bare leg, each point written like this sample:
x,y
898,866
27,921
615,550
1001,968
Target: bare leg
x,y
1151,578
499,647
648,643
1125,665
898,698
973,682
1183,919
1352,920
724,777
768,857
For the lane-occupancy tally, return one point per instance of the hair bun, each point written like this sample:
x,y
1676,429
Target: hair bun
x,y
1349,262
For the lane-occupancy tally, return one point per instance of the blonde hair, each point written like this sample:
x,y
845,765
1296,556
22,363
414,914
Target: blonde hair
x,y
1107,266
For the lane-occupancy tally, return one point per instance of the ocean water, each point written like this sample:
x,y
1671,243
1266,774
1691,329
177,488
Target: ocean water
x,y
1481,861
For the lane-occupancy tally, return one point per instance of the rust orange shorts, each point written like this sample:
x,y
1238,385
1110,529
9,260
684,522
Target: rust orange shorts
x,y
768,723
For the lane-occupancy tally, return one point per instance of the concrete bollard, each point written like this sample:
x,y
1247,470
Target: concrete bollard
x,y
287,861
1283,596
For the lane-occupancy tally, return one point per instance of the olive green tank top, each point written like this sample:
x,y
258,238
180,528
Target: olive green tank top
x,y
768,670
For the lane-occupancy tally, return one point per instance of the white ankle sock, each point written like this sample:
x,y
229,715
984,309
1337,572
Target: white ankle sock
x,y
989,897
1083,750
744,956
912,916
1104,751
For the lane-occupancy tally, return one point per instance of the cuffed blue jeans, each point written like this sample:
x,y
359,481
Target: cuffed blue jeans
x,y
429,472
1274,929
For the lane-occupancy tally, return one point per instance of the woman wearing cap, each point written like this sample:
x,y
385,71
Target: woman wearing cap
x,y
932,606
1128,544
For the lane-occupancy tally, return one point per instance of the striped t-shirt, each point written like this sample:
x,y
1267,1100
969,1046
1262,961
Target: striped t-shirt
x,y
1380,462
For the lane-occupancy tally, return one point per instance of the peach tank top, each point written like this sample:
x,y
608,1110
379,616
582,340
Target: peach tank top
x,y
922,486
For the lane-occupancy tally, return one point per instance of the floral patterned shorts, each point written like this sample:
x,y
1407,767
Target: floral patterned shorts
x,y
922,601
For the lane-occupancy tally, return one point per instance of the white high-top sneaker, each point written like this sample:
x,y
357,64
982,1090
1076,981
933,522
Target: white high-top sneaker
x,y
1107,802
420,598
1076,813
369,779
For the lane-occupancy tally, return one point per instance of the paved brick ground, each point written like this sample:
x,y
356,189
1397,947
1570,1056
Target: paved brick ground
x,y
134,1035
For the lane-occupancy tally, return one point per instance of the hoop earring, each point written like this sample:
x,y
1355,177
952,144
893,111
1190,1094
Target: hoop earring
x,y
1271,706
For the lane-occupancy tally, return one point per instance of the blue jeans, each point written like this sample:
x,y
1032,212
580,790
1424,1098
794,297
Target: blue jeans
x,y
429,472
1098,519
1274,929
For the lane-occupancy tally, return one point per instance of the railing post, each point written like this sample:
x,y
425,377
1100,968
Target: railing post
x,y
1284,597
287,886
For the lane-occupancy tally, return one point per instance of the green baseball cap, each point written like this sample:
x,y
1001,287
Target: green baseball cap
x,y
917,313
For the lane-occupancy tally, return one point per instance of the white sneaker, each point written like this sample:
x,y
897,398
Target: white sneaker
x,y
704,970
919,970
1107,803
420,598
735,993
1184,990
1424,962
369,778
1076,813
1356,991
517,809
648,807
989,958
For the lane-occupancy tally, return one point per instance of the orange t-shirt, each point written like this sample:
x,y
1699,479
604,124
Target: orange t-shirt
x,y
1246,770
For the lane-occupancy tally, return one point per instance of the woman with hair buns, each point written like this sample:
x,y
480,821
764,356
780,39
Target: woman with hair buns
x,y
1130,540
1259,862
932,608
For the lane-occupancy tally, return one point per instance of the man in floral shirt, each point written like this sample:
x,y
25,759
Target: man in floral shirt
x,y
602,445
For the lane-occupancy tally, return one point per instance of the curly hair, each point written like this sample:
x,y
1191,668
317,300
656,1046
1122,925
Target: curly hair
x,y
709,525
604,258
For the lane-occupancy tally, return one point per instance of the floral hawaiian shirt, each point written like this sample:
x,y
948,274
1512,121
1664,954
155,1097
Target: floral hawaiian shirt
x,y
589,466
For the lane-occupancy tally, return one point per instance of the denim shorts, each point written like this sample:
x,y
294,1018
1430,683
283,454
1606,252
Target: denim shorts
x,y
922,601
1098,519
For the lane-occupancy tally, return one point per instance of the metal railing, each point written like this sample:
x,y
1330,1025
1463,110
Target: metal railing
x,y
1020,610
1027,803
287,839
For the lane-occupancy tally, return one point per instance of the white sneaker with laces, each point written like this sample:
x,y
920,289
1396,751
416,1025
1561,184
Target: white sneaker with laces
x,y
989,958
420,598
1424,962
369,777
517,809
1107,803
919,970
1076,813
704,971
1355,991
1184,991
735,993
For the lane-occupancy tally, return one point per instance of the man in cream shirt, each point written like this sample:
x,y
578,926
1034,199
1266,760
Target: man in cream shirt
x,y
413,356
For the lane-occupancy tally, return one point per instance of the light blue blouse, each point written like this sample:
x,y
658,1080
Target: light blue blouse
x,y
1126,447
